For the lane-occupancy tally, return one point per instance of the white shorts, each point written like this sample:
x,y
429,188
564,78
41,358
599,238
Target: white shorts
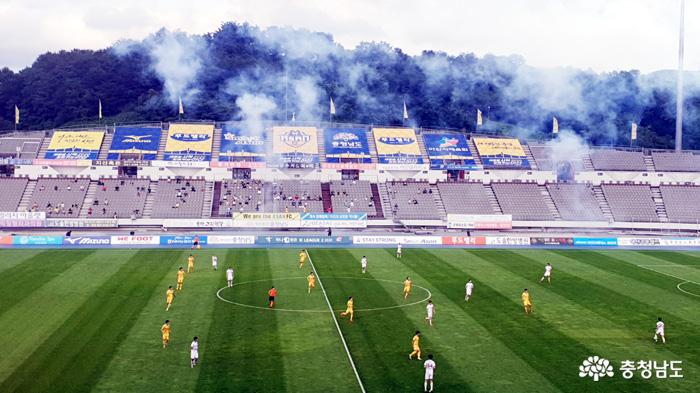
x,y
660,332
364,265
428,374
194,354
430,315
229,278
469,292
547,274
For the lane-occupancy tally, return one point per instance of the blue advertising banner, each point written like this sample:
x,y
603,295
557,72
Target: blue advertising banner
x,y
505,163
400,160
186,240
237,145
142,141
448,151
86,241
334,216
302,240
35,240
596,241
346,143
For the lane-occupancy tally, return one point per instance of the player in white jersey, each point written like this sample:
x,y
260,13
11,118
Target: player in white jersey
x,y
430,309
660,326
398,251
469,288
194,351
429,367
214,262
229,276
547,273
364,264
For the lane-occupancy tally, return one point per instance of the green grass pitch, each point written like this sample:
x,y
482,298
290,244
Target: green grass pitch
x,y
89,320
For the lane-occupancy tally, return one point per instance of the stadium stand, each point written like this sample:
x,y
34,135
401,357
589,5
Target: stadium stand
x,y
122,198
618,160
575,202
353,196
179,198
543,158
239,196
465,198
524,201
59,197
630,202
681,203
676,162
12,190
28,147
295,196
412,200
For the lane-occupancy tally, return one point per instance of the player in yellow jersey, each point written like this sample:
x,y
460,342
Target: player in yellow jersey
x,y
416,346
350,309
311,279
526,301
165,330
180,278
190,264
169,296
302,258
407,283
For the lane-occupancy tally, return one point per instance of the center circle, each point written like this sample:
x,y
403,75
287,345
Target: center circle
x,y
679,286
218,295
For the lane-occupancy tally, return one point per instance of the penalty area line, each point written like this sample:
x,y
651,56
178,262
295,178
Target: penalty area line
x,y
337,326
680,284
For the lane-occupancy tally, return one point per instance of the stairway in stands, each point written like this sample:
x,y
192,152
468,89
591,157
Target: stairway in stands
x,y
603,203
649,163
386,202
438,202
161,146
150,199
530,157
421,147
326,195
321,145
659,203
106,143
587,162
44,147
378,203
217,199
89,199
475,155
491,195
27,196
550,202
372,146
208,199
216,144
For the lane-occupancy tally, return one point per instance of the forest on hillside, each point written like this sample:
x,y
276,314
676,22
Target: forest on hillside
x,y
241,72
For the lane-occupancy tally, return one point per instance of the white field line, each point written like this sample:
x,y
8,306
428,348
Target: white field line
x,y
683,280
337,326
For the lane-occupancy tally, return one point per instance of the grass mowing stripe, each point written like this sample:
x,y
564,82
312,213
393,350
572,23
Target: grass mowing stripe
x,y
21,280
611,305
683,259
335,321
10,258
529,337
73,358
243,346
380,343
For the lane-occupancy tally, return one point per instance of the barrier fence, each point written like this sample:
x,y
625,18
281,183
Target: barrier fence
x,y
186,241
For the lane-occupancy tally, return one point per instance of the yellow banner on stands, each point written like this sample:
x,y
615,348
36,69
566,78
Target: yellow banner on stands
x,y
192,138
396,141
499,147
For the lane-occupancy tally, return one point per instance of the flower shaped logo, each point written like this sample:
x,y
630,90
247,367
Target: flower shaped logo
x,y
596,368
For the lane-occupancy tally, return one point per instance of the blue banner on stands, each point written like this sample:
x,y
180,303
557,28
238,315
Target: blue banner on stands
x,y
595,241
34,240
346,143
239,144
186,240
81,241
139,141
302,240
505,162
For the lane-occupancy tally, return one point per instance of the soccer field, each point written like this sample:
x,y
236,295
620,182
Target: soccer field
x,y
89,320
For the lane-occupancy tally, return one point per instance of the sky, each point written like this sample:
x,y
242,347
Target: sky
x,y
602,35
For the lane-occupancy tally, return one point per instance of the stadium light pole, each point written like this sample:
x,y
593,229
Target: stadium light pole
x,y
679,82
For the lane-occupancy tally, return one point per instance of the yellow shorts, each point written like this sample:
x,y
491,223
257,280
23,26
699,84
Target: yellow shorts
x,y
527,304
416,348
312,284
169,300
348,311
166,337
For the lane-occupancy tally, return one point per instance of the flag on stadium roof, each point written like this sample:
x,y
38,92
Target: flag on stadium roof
x,y
332,107
405,111
479,118
16,115
634,131
555,125
99,109
181,109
